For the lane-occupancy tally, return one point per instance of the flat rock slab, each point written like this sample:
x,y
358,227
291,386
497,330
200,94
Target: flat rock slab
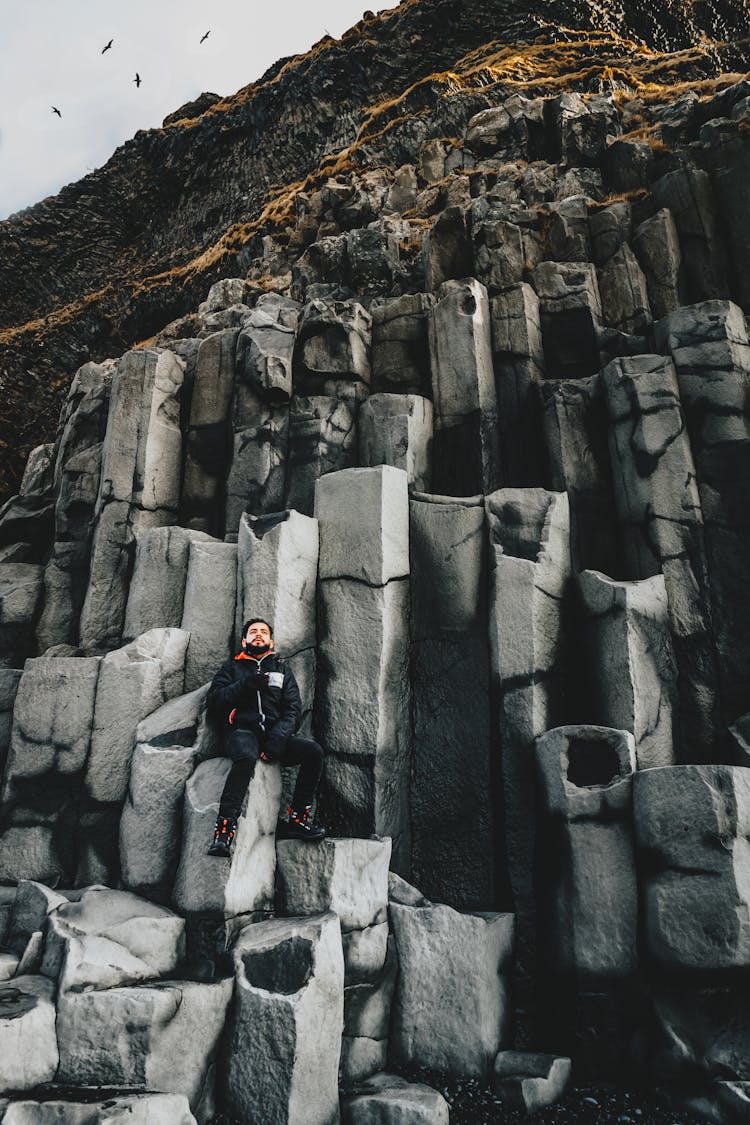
x,y
140,1109
386,1099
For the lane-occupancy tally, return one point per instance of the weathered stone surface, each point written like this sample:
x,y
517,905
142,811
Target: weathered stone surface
x,y
610,229
465,443
264,353
397,430
31,906
567,236
208,439
363,515
334,340
108,939
498,255
528,531
49,748
574,418
257,475
365,951
688,194
140,1109
590,923
21,586
657,247
160,1036
322,439
571,312
170,743
699,1028
658,504
628,164
348,877
447,248
244,883
460,1027
630,660
529,1082
282,1058
140,482
367,1012
691,829
400,352
624,293
28,1045
450,779
709,346
518,358
222,294
9,681
728,162
387,1099
583,126
157,587
209,608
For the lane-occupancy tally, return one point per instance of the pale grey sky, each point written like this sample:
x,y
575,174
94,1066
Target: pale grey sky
x,y
50,54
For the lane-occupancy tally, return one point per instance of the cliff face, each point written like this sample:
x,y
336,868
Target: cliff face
x,y
112,258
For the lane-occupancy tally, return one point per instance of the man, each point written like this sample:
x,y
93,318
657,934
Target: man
x,y
256,699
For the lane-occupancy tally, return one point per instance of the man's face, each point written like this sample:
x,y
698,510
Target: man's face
x,y
258,638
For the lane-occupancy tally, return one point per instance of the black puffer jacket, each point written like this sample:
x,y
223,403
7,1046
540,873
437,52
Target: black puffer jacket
x,y
258,694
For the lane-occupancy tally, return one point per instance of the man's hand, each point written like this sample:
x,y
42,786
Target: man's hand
x,y
273,749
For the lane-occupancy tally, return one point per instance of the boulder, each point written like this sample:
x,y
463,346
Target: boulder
x,y
387,1099
284,1034
28,1043
529,1082
460,1027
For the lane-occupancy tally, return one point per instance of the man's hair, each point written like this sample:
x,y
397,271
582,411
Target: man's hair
x,y
255,621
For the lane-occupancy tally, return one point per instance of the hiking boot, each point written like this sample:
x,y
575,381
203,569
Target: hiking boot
x,y
300,826
224,833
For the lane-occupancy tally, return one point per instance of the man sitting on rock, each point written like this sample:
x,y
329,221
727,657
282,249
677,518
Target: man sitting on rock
x,y
256,699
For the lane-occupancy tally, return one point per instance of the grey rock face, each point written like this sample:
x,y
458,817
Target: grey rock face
x,y
529,1082
281,1063
688,195
363,689
400,354
518,357
334,341
245,883
209,608
28,1044
21,586
322,439
689,824
397,430
659,507
624,293
657,248
585,776
157,587
348,877
631,661
465,444
460,1026
450,781
571,311
367,1011
387,1099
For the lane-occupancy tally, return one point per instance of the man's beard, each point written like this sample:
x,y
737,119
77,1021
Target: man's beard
x,y
258,650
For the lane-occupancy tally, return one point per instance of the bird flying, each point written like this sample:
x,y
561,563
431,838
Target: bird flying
x,y
137,79
56,110
108,46
206,35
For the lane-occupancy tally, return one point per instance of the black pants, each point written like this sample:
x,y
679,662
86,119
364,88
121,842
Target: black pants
x,y
244,747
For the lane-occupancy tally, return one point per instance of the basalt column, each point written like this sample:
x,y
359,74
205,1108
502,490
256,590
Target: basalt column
x,y
453,854
140,483
362,702
658,503
709,346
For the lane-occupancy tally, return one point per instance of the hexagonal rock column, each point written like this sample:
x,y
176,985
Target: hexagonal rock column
x,y
277,569
451,783
397,430
9,681
49,747
658,503
333,341
349,877
529,553
208,444
82,427
140,482
387,1099
133,682
157,587
709,346
367,1016
574,418
140,1109
460,1027
28,1043
160,1036
586,896
400,351
688,193
322,439
21,588
585,777
465,443
284,1033
362,701
691,825
518,358
169,744
571,313
630,660
244,883
209,608
657,248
